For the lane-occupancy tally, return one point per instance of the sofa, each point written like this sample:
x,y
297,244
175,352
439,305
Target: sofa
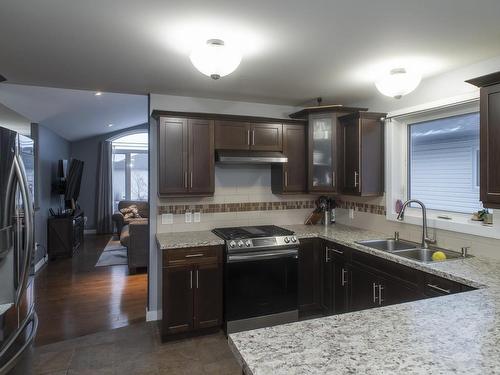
x,y
133,233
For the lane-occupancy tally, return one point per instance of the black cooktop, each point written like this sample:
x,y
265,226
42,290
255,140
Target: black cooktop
x,y
240,233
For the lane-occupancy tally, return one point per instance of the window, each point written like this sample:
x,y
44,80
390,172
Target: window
x,y
130,168
443,163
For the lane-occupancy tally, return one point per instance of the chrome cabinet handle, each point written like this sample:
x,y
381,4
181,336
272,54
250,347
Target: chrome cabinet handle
x,y
193,255
191,179
253,137
248,137
374,293
197,278
435,287
333,178
327,257
191,279
380,299
356,182
336,251
286,178
185,179
344,277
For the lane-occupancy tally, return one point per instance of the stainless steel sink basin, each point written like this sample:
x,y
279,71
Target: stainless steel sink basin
x,y
389,244
425,255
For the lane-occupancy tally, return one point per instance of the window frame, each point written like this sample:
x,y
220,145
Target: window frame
x,y
397,170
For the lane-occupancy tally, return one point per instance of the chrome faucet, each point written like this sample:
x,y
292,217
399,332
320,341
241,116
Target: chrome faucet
x,y
425,235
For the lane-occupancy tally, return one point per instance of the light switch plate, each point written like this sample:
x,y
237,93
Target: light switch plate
x,y
167,218
188,217
351,213
197,217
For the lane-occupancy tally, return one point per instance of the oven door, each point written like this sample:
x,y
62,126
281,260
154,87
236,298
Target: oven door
x,y
261,283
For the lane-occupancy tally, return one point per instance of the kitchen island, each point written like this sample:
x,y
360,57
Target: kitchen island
x,y
459,333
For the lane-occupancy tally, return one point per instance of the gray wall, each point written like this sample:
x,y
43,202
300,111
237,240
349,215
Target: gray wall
x,y
87,150
51,148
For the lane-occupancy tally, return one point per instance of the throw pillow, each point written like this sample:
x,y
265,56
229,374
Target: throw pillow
x,y
131,212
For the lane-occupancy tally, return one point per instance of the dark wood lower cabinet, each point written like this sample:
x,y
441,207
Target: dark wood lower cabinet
x,y
363,291
310,280
192,292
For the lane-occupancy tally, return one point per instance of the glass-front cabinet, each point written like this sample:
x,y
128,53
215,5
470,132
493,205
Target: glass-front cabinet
x,y
323,153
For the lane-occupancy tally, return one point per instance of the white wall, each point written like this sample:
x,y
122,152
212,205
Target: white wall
x,y
435,88
14,121
241,190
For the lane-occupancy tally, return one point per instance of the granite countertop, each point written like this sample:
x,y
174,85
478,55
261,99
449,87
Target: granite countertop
x,y
179,240
459,333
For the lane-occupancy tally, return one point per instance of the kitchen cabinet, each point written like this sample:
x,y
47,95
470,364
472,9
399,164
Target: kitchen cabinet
x,y
363,290
489,139
310,286
236,135
323,153
336,276
185,157
192,291
362,153
291,177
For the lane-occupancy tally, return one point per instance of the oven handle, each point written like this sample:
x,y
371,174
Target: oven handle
x,y
252,256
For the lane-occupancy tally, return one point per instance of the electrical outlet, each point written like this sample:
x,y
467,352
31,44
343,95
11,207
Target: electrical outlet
x,y
188,217
167,218
197,217
351,213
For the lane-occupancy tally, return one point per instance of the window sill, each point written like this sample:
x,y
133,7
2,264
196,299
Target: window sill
x,y
460,223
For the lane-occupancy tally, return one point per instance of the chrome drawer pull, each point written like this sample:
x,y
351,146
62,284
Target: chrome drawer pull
x,y
191,279
335,251
193,255
447,291
374,293
344,278
380,299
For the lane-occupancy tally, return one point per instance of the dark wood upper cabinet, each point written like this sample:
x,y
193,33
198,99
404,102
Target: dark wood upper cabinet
x,y
172,155
232,135
363,153
489,139
185,157
239,135
323,153
266,137
201,156
291,177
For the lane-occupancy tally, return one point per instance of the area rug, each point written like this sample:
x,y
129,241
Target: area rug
x,y
114,254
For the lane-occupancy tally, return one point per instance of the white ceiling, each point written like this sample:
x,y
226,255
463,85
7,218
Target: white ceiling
x,y
294,50
75,114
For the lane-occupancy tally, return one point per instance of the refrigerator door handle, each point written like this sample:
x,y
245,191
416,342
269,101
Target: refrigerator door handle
x,y
28,226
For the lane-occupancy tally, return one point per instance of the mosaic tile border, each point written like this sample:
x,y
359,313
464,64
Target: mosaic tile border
x,y
180,209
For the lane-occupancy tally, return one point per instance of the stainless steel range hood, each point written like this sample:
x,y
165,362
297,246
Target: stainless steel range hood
x,y
249,157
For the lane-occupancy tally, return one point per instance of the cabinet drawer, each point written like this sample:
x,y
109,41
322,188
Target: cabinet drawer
x,y
437,285
336,251
192,255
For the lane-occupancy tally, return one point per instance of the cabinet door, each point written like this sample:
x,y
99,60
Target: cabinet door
x,y
177,299
363,293
266,137
201,156
490,151
309,276
351,149
208,295
294,148
394,291
232,135
322,154
172,156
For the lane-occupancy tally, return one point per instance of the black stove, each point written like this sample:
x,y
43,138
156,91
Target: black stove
x,y
256,237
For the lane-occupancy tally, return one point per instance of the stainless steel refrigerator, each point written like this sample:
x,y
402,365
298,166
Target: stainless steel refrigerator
x,y
18,320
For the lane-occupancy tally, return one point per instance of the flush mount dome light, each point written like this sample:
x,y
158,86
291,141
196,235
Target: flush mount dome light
x,y
398,82
215,59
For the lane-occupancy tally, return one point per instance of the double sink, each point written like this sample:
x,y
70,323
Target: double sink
x,y
411,250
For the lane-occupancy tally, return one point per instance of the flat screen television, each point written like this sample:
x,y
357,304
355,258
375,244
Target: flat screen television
x,y
73,180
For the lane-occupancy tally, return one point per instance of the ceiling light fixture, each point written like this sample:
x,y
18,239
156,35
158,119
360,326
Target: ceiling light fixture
x,y
398,82
98,93
110,125
215,59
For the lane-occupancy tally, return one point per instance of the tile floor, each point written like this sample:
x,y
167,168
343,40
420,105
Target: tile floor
x,y
136,349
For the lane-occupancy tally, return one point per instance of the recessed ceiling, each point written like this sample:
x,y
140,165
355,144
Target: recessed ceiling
x,y
75,114
293,50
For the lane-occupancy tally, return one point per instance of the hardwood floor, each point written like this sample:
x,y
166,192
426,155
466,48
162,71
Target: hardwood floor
x,y
75,298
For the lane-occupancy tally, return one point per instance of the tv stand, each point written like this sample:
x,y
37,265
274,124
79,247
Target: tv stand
x,y
65,235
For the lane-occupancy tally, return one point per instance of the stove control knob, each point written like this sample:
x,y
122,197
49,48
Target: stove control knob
x,y
248,243
232,244
240,243
294,239
287,240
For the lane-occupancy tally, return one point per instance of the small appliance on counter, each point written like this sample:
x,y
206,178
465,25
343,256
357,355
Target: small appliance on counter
x,y
260,277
